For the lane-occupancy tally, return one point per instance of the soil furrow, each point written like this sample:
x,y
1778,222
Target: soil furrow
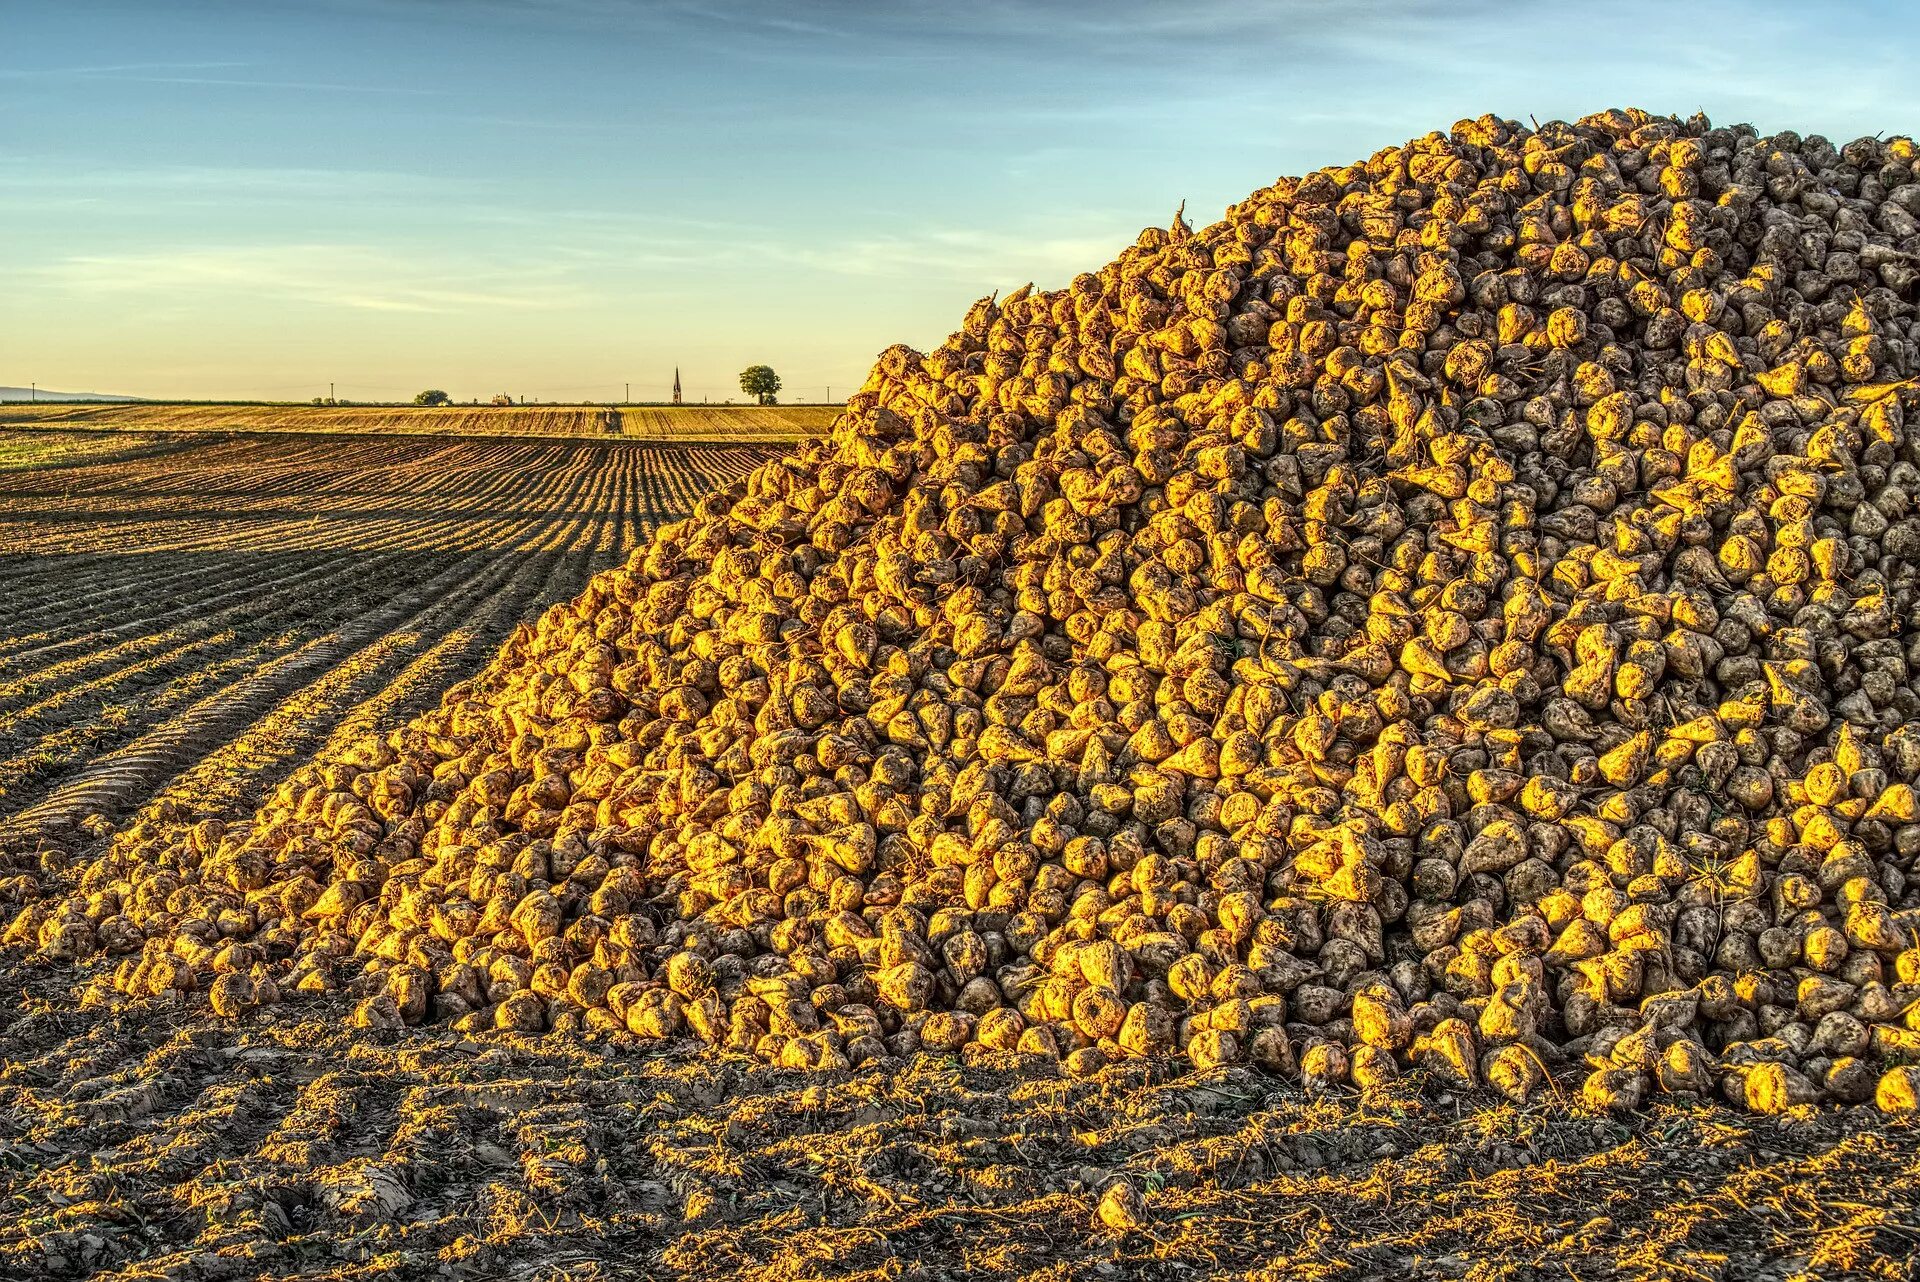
x,y
107,785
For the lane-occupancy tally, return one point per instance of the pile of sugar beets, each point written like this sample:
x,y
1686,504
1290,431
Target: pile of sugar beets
x,y
1456,614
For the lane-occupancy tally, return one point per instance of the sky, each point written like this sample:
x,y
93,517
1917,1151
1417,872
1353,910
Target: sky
x,y
559,198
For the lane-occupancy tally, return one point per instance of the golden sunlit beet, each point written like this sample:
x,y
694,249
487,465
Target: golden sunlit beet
x,y
1123,1209
1450,615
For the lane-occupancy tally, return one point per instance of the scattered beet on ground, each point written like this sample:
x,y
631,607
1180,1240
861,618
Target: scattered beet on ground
x,y
155,1143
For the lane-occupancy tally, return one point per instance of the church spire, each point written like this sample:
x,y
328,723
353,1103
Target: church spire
x,y
676,385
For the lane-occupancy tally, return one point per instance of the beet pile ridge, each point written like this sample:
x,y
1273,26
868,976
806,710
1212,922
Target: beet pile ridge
x,y
1452,613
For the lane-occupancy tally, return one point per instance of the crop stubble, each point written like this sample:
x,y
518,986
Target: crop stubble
x,y
231,601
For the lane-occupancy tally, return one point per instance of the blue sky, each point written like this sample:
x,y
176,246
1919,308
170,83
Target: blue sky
x,y
556,197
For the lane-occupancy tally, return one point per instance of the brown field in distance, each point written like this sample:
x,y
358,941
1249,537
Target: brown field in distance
x,y
714,423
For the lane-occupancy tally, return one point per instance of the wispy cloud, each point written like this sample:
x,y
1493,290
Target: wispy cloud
x,y
177,73
568,272
328,275
137,195
18,172
114,69
303,86
863,21
670,252
977,257
869,33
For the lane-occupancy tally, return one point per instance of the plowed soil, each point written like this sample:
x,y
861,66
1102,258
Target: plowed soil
x,y
157,1143
185,618
192,615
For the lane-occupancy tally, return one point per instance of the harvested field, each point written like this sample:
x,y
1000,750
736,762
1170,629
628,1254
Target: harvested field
x,y
727,422
730,423
29,451
156,1143
219,607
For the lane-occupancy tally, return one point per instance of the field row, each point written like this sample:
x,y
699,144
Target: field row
x,y
727,422
191,616
658,422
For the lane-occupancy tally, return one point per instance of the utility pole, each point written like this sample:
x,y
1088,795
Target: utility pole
x,y
33,392
629,398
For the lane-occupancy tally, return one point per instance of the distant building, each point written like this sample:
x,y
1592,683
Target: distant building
x,y
676,385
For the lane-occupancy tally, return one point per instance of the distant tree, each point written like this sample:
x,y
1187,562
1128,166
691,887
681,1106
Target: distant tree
x,y
433,396
760,382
